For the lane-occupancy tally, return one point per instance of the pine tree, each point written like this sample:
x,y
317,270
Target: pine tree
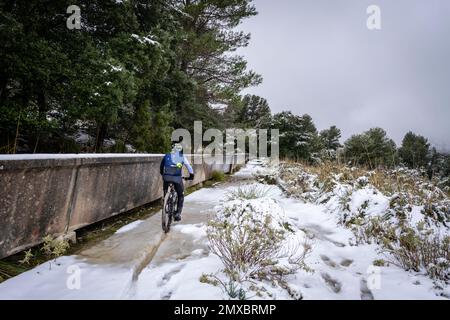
x,y
161,133
254,113
142,128
170,55
207,37
299,139
372,148
330,141
414,150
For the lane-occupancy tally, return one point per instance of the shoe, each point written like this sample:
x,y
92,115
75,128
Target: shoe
x,y
177,217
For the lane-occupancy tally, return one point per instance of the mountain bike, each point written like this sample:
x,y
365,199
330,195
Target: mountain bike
x,y
170,206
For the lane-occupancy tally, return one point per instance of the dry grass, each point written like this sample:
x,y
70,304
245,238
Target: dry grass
x,y
415,252
408,248
414,186
247,250
247,192
250,244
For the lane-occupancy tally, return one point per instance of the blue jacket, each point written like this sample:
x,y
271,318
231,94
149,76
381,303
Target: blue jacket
x,y
171,167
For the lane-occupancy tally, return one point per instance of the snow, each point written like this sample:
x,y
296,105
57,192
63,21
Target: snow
x,y
52,280
198,231
179,10
376,202
129,226
205,196
82,138
145,39
416,215
340,269
328,253
179,280
259,209
116,68
252,168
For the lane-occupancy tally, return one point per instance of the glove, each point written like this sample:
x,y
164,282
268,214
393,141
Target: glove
x,y
191,176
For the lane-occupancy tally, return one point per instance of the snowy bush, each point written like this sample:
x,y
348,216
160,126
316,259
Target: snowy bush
x,y
267,177
247,236
415,251
254,240
247,192
267,173
399,209
295,181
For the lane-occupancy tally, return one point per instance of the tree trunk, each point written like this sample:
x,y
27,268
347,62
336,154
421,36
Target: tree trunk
x,y
101,134
42,104
3,91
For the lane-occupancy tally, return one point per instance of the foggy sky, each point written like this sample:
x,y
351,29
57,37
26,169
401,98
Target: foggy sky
x,y
318,57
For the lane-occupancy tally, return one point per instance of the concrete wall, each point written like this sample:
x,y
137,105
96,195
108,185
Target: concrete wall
x,y
56,194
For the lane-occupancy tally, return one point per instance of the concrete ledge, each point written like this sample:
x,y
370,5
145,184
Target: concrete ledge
x,y
57,194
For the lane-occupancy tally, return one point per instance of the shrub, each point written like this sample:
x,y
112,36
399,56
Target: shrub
x,y
217,176
250,236
267,176
54,247
295,181
379,263
246,244
402,216
415,251
27,258
232,288
247,192
376,229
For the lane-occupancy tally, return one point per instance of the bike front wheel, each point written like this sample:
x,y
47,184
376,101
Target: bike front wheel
x,y
168,210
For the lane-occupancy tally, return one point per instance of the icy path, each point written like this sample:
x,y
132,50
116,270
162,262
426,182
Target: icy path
x,y
139,262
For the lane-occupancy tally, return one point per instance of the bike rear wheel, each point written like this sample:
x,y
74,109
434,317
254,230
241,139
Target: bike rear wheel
x,y
168,209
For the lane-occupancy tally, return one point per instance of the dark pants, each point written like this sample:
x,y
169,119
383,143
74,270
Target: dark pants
x,y
179,189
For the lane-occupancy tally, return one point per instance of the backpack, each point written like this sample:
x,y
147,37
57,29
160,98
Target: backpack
x,y
173,164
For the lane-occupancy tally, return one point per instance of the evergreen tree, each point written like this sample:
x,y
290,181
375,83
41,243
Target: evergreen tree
x,y
173,56
330,141
433,165
299,139
372,148
160,139
439,167
209,35
414,150
142,128
254,113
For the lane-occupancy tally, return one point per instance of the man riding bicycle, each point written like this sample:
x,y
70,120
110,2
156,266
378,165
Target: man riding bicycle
x,y
171,169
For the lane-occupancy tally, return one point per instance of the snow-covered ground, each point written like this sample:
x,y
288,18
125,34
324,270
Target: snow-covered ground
x,y
169,267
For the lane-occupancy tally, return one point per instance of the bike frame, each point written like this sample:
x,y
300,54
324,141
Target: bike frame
x,y
169,207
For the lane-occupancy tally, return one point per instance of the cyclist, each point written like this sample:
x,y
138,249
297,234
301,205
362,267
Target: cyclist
x,y
171,171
